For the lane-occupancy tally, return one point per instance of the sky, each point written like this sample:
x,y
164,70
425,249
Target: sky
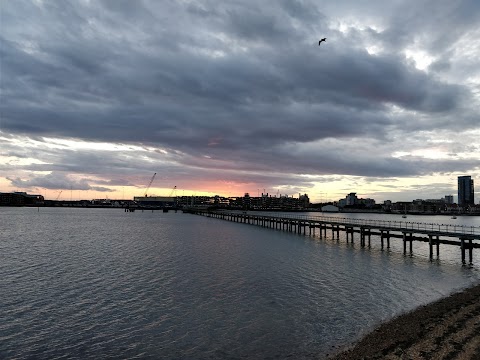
x,y
237,96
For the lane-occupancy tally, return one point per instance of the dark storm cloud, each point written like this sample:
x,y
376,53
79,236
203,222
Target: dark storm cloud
x,y
271,168
237,93
303,11
239,82
56,181
437,24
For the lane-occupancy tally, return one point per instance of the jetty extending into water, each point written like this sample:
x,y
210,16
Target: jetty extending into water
x,y
466,237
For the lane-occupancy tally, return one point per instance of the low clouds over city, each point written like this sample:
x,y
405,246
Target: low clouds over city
x,y
235,96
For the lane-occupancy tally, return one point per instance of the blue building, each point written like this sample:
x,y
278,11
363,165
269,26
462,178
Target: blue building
x,y
465,191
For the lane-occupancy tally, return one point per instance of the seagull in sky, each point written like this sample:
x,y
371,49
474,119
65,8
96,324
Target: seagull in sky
x,y
324,39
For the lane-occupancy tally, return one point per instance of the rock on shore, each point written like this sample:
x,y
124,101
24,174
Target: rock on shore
x,y
446,329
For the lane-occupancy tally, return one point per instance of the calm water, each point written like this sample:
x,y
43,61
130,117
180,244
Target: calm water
x,y
101,283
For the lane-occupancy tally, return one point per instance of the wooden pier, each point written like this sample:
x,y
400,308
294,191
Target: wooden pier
x,y
466,237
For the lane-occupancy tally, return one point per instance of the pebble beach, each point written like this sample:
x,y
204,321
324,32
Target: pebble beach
x,y
446,329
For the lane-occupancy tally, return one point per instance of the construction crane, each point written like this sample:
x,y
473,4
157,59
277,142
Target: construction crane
x,y
150,184
174,190
58,196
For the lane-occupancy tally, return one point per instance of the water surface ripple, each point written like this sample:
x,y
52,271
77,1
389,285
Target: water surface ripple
x,y
101,283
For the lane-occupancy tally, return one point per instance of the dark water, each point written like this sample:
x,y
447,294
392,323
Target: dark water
x,y
101,283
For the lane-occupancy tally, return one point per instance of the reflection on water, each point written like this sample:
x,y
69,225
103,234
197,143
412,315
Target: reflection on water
x,y
96,283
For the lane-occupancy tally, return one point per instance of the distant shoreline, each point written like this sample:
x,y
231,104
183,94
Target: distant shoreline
x,y
351,211
447,328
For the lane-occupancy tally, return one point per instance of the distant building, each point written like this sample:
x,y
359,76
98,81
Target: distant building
x,y
20,199
449,199
351,198
429,206
11,199
303,200
155,200
387,205
465,191
352,201
367,202
247,202
435,201
402,206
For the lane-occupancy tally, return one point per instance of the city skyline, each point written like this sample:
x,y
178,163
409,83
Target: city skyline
x,y
238,97
464,191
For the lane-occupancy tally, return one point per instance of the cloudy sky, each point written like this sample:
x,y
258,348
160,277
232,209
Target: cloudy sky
x,y
236,96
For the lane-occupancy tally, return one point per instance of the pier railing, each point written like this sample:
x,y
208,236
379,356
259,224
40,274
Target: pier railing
x,y
393,225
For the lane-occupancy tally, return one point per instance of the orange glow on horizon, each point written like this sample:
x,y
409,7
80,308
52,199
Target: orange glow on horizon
x,y
200,188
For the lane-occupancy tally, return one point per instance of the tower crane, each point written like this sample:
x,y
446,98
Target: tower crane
x,y
150,184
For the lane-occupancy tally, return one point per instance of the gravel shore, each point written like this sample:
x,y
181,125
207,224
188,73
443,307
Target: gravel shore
x,y
446,329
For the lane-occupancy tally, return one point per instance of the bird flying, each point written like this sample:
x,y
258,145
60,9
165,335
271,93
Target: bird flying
x,y
324,39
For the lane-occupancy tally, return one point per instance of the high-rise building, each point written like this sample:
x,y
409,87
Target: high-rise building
x,y
465,191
